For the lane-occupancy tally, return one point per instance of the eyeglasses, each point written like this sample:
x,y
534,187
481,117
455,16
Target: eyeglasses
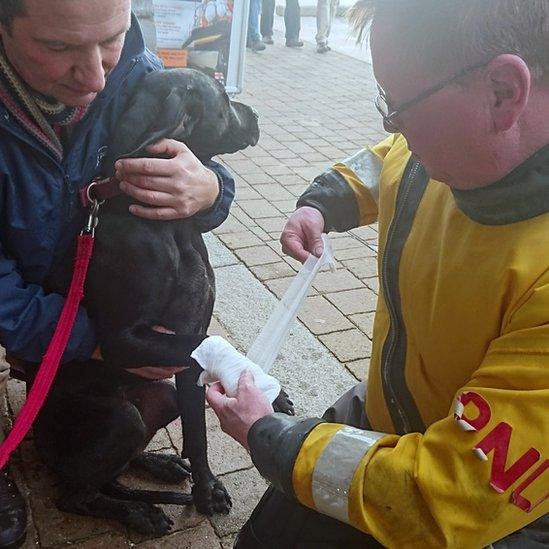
x,y
390,117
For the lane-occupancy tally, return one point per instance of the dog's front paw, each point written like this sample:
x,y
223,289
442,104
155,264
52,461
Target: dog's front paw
x,y
282,403
210,496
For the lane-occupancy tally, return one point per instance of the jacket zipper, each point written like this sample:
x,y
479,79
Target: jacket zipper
x,y
394,325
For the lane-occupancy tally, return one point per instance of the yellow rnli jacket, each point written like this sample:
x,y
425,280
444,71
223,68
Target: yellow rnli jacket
x,y
456,450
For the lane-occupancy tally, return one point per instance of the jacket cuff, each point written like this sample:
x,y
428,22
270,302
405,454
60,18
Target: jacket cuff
x,y
333,197
214,216
275,442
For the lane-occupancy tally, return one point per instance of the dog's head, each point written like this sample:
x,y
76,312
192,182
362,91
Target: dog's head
x,y
189,106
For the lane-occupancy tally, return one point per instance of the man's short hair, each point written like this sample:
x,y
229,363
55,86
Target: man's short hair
x,y
10,9
454,33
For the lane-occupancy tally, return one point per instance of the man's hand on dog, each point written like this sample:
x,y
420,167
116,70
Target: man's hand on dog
x,y
237,414
173,187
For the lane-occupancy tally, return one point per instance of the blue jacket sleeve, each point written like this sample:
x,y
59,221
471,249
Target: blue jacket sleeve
x,y
28,318
213,217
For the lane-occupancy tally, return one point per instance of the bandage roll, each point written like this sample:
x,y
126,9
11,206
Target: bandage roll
x,y
222,362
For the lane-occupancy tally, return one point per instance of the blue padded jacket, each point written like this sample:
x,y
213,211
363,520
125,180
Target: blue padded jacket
x,y
40,214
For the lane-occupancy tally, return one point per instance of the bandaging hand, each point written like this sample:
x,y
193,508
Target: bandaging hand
x,y
302,234
237,414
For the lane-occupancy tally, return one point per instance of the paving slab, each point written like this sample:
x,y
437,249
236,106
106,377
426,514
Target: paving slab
x,y
354,301
348,345
321,317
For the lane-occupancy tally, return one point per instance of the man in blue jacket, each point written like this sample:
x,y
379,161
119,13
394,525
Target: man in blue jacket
x,y
67,70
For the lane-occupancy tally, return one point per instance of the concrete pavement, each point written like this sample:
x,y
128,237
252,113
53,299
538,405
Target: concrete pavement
x,y
314,109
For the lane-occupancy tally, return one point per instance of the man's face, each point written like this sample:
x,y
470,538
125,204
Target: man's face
x,y
448,131
65,48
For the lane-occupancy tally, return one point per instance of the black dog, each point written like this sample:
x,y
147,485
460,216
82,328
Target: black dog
x,y
99,417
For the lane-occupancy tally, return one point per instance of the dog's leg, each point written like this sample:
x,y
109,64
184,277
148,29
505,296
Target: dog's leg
x,y
158,405
119,491
210,496
143,517
164,467
88,440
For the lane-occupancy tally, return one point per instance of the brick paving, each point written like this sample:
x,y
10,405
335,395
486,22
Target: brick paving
x,y
314,110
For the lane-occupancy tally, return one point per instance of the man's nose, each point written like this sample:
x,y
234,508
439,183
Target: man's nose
x,y
90,72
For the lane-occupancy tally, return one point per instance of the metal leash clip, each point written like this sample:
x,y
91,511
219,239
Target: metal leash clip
x,y
93,217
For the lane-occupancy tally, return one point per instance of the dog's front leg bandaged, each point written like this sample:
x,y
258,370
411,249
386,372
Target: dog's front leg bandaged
x,y
222,362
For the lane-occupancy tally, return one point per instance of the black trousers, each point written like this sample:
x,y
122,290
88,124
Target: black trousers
x,y
280,523
292,18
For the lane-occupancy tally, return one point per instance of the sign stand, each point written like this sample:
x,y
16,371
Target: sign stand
x,y
209,35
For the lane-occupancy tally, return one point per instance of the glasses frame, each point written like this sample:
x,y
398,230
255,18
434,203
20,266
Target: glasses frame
x,y
389,120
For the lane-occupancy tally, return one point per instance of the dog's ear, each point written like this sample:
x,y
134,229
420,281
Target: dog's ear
x,y
133,125
149,118
178,115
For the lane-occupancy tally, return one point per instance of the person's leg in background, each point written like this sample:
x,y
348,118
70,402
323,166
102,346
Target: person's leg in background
x,y
292,22
13,511
325,13
267,20
254,38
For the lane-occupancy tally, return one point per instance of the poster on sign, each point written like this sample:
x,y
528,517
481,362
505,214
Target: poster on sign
x,y
209,35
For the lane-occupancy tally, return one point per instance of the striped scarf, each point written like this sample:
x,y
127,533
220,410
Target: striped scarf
x,y
40,116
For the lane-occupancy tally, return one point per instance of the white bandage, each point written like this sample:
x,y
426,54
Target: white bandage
x,y
223,363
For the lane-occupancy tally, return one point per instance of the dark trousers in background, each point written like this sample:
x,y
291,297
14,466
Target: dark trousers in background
x,y
267,17
292,18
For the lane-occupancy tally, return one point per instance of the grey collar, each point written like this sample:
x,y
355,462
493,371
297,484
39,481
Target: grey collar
x,y
520,195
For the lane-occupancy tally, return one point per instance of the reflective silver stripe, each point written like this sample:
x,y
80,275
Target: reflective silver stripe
x,y
336,467
367,167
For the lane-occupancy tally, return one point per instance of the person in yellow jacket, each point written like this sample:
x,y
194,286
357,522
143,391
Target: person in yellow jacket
x,y
447,445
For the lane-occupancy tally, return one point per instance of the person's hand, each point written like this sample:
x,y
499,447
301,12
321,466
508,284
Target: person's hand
x,y
302,234
173,187
236,415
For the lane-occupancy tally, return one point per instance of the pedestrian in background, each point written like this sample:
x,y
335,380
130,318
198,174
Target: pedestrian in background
x,y
254,38
292,22
325,13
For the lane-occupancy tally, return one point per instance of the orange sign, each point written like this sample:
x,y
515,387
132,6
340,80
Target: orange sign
x,y
173,58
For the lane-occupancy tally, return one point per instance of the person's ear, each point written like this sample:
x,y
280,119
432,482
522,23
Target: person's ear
x,y
508,80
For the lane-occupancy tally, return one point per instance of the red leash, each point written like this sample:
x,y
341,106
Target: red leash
x,y
58,343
